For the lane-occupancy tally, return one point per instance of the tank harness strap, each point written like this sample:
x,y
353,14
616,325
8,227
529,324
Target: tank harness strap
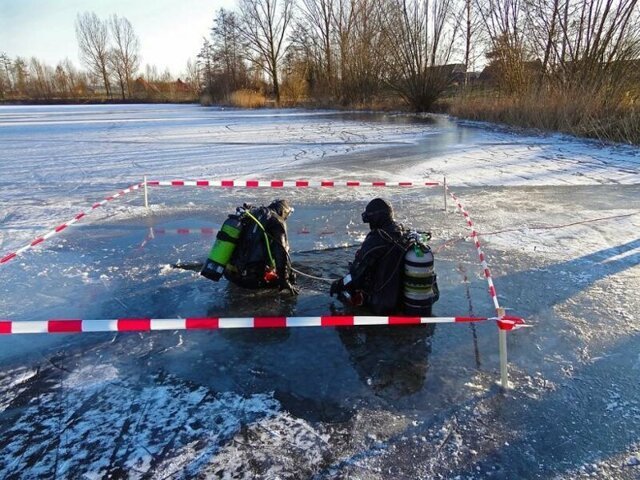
x,y
225,237
266,238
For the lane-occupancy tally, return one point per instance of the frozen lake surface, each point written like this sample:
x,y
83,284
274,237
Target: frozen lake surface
x,y
559,221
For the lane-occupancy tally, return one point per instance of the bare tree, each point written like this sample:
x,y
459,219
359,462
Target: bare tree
x,y
543,19
227,54
93,40
41,79
422,35
601,40
61,83
474,40
205,64
467,43
317,28
6,81
20,75
193,76
362,49
344,17
586,46
125,56
503,20
76,81
263,25
151,73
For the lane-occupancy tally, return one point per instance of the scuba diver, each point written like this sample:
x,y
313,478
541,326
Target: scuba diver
x,y
393,269
251,249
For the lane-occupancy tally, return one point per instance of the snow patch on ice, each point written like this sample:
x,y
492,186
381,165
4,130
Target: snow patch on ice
x,y
98,423
167,269
91,377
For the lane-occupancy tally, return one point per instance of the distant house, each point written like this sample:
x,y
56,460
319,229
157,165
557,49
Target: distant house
x,y
181,87
162,90
474,77
452,74
490,75
455,72
532,72
143,89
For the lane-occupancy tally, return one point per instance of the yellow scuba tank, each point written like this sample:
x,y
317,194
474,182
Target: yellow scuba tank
x,y
223,248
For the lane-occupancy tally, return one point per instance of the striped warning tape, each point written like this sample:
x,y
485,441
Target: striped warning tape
x,y
219,183
476,240
63,226
510,322
183,231
155,231
213,323
208,231
286,183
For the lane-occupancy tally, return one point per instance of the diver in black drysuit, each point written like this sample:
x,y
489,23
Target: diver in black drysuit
x,y
374,278
254,264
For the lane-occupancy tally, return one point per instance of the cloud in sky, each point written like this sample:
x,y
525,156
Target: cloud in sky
x,y
170,31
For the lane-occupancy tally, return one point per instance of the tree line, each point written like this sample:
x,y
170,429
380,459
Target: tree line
x,y
110,53
557,64
361,52
344,52
567,65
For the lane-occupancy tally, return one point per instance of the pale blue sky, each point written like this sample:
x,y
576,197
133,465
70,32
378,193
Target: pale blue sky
x,y
170,31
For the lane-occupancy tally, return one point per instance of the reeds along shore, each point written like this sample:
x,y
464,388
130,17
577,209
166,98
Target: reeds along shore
x,y
586,115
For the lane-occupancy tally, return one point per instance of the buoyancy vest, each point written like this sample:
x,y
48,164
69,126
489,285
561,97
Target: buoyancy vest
x,y
252,248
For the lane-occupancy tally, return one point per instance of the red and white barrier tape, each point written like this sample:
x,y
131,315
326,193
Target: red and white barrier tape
x,y
286,183
505,322
483,261
213,323
206,231
63,226
153,232
509,322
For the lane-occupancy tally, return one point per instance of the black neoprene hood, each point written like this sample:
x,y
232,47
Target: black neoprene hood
x,y
281,207
378,211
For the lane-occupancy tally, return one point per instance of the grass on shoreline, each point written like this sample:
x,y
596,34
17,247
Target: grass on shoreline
x,y
583,116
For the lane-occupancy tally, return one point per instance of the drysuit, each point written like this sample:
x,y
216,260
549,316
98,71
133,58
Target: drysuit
x,y
375,275
261,258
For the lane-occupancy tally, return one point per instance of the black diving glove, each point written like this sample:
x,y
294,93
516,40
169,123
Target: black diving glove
x,y
337,286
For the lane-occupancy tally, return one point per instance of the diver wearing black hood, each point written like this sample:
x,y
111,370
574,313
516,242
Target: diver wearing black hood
x,y
374,278
261,258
